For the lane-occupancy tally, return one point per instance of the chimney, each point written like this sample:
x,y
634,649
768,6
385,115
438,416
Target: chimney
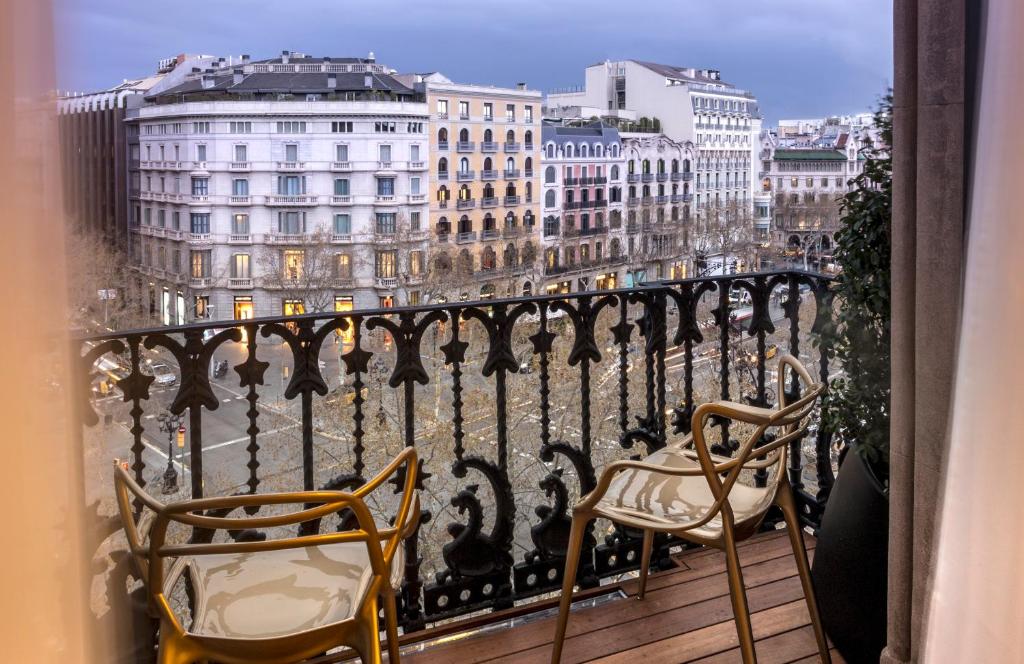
x,y
520,86
332,81
284,57
371,57
245,58
236,76
368,81
207,81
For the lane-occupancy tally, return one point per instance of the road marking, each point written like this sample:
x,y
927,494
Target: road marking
x,y
226,400
244,439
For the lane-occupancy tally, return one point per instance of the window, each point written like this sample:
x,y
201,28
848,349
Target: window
x,y
291,222
240,266
343,127
384,127
241,128
385,186
442,108
464,110
414,128
528,114
291,127
241,153
200,264
510,113
291,185
794,182
293,259
201,127
824,182
342,224
160,221
414,152
341,152
200,152
414,186
384,153
291,152
549,198
176,220
414,221
341,187
240,187
343,267
810,182
549,174
416,263
240,224
488,110
385,223
200,223
385,264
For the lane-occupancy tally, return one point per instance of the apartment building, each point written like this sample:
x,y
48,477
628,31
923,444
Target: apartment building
x,y
279,186
485,180
688,106
583,237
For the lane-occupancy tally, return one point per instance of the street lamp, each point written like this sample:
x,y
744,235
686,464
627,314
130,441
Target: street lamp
x,y
169,424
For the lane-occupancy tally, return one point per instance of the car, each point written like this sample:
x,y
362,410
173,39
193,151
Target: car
x,y
162,374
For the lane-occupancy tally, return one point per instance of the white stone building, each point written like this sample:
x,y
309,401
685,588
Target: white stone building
x,y
278,186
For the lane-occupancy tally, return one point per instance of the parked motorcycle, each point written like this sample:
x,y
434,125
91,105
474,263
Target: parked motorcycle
x,y
220,369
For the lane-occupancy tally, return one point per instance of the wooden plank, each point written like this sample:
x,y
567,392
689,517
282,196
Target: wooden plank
x,y
645,635
714,638
797,644
708,584
814,659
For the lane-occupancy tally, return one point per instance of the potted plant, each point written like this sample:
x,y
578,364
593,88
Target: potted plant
x,y
850,568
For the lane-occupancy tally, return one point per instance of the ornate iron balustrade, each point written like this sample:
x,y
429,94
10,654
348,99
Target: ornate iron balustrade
x,y
564,384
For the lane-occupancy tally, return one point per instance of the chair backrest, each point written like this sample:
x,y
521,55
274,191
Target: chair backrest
x,y
792,419
149,556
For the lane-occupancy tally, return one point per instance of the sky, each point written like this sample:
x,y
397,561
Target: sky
x,y
801,58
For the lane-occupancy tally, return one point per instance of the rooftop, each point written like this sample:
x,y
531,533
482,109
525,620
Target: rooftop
x,y
809,155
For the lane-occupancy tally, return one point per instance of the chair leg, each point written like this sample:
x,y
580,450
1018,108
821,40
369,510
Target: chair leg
x,y
391,626
796,540
572,560
173,651
645,561
739,598
367,637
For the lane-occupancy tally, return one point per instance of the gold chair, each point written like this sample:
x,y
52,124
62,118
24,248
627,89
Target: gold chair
x,y
274,601
686,491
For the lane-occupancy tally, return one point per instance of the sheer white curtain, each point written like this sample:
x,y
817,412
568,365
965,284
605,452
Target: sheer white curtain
x,y
976,608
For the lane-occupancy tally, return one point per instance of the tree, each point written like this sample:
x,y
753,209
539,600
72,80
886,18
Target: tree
x,y
105,290
858,406
305,271
720,228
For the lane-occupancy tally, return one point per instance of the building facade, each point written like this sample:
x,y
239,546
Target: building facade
x,y
583,235
281,186
485,179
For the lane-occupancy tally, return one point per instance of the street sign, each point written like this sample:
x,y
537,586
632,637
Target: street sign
x,y
181,436
107,293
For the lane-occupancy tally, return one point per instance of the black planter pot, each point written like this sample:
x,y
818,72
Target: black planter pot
x,y
850,568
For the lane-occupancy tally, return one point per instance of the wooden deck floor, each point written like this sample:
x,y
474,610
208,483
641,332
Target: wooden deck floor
x,y
686,617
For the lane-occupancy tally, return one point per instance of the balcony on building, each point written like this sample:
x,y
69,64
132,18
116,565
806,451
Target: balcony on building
x,y
633,200
465,203
465,237
490,234
465,176
291,166
488,146
239,200
442,145
632,178
442,175
662,177
512,147
338,166
509,201
489,175
489,202
341,199
511,173
239,282
386,283
465,146
292,199
647,177
240,166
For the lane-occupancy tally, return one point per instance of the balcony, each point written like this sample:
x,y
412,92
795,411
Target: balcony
x,y
233,448
488,146
489,202
200,282
512,147
239,238
571,182
199,199
647,200
285,238
632,200
417,165
465,204
528,147
661,200
239,282
240,166
341,199
239,200
297,199
200,238
341,238
528,173
600,179
465,146
633,178
384,199
647,177
338,166
488,175
442,175
510,232
417,198
490,234
442,145
465,237
662,177
291,165
593,230
511,173
509,201
465,176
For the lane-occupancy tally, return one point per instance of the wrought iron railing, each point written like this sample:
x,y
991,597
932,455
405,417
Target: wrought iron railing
x,y
515,405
